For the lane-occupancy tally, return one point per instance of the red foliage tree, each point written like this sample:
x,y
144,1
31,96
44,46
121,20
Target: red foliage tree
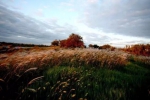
x,y
74,40
63,43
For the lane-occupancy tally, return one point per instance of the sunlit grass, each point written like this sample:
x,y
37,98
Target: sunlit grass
x,y
80,74
20,61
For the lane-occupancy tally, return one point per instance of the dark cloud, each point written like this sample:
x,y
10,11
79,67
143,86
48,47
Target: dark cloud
x,y
16,27
125,17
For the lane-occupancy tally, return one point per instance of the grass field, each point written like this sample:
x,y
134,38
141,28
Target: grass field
x,y
79,74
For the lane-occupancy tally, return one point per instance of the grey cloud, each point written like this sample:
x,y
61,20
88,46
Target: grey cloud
x,y
94,38
130,17
16,27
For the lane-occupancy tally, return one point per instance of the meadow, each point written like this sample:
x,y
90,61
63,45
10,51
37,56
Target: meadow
x,y
73,74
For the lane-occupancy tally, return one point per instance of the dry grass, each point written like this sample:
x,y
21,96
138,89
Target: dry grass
x,y
79,73
55,57
35,79
142,59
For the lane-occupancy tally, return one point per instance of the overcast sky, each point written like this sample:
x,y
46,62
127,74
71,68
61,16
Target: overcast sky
x,y
115,22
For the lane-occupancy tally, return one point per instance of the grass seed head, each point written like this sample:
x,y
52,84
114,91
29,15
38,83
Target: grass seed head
x,y
35,79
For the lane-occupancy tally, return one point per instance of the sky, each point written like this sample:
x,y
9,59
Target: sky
x,y
114,22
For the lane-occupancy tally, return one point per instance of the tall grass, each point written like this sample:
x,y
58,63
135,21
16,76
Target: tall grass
x,y
88,83
80,74
18,62
78,57
141,59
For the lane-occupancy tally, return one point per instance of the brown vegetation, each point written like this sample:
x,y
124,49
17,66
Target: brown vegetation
x,y
51,57
73,41
138,49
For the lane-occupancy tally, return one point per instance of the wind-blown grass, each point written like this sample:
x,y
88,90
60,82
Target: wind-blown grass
x,y
142,59
71,83
80,74
21,61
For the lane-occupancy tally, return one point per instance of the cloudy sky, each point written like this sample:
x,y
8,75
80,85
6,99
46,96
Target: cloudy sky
x,y
115,22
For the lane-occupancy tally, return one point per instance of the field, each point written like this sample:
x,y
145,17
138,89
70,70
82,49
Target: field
x,y
73,74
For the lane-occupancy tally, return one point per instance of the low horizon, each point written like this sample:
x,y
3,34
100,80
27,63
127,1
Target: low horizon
x,y
85,45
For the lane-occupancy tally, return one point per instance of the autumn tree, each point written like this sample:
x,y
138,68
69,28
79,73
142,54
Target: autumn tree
x,y
90,46
63,43
106,46
55,43
74,40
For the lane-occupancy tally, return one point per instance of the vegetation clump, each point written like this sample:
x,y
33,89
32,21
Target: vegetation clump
x,y
73,41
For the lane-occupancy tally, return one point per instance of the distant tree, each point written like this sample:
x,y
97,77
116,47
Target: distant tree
x,y
63,43
55,43
100,47
106,46
95,46
90,46
74,40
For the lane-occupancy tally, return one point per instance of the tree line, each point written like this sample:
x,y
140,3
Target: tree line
x,y
21,44
76,41
106,46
